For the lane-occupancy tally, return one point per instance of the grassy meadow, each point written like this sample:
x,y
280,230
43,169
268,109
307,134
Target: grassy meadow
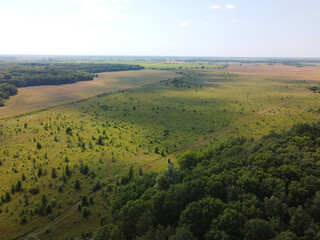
x,y
92,143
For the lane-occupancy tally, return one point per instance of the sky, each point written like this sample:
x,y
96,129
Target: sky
x,y
210,28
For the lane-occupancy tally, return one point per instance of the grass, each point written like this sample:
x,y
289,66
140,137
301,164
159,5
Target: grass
x,y
34,98
199,109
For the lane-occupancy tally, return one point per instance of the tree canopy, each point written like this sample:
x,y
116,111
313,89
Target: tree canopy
x,y
7,90
241,189
35,74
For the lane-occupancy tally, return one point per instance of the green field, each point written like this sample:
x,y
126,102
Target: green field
x,y
140,127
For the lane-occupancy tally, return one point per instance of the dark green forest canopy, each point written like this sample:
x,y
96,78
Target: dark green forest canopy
x,y
241,189
7,90
35,74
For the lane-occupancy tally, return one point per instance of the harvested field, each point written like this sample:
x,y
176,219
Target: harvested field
x,y
293,72
35,98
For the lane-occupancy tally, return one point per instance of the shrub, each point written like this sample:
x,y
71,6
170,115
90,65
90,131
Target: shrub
x,y
23,220
156,150
48,209
84,201
39,146
7,197
85,212
53,173
69,131
77,185
97,186
34,190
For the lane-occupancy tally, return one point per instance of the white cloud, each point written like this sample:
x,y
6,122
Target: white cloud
x,y
230,6
184,24
215,6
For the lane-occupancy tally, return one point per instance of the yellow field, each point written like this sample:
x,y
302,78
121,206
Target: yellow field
x,y
35,98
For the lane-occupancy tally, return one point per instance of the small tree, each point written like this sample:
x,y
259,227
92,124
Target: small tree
x,y
53,173
100,141
84,201
68,171
48,209
40,173
44,200
162,153
84,169
156,150
18,186
140,171
77,185
97,186
23,220
130,173
39,146
85,212
69,131
7,197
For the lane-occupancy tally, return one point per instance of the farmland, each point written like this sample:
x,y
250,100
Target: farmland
x,y
307,72
39,97
140,127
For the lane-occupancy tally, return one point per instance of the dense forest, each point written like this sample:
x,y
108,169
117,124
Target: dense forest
x,y
7,90
35,74
241,189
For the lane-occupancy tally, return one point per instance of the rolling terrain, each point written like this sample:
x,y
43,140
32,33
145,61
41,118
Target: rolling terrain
x,y
94,142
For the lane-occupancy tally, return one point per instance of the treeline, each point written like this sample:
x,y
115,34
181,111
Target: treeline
x,y
7,90
242,189
99,67
35,74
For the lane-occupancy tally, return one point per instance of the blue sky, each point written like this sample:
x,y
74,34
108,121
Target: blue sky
x,y
222,28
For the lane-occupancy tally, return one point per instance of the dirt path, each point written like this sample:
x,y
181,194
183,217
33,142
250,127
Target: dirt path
x,y
158,160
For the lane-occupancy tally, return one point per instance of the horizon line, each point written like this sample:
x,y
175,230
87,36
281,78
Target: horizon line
x,y
167,56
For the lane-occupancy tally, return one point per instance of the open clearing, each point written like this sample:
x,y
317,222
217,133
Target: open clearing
x,y
35,98
292,72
